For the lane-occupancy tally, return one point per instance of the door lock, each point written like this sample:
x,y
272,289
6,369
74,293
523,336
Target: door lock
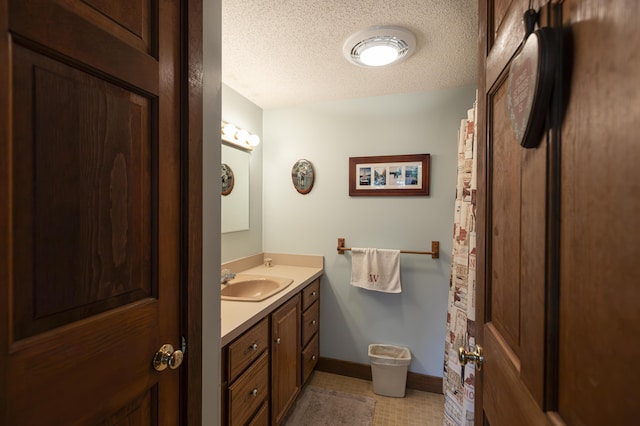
x,y
475,357
167,357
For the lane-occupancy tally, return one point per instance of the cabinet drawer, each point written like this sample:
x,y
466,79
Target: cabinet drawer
x,y
262,417
247,348
310,322
310,356
310,294
249,392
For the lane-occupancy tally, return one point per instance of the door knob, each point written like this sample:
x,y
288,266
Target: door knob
x,y
167,357
475,357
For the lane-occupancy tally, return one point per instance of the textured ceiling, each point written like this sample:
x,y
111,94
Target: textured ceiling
x,y
288,52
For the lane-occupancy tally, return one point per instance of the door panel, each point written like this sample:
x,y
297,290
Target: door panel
x,y
500,9
503,40
600,272
506,400
516,261
79,373
558,267
94,227
515,265
140,411
513,223
504,154
75,30
77,134
533,269
135,18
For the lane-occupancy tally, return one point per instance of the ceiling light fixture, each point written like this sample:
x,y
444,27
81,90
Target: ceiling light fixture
x,y
238,137
379,46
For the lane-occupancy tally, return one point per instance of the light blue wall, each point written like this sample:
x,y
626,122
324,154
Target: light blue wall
x,y
328,134
283,220
243,113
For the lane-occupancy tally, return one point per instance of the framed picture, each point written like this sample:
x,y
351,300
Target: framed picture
x,y
402,175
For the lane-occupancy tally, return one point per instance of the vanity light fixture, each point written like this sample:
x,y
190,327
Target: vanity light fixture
x,y
379,46
238,137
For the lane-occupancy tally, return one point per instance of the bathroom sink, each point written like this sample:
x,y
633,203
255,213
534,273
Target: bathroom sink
x,y
253,288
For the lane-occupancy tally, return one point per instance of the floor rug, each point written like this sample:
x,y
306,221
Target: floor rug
x,y
323,407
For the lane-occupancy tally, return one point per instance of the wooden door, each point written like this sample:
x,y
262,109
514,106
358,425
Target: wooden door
x,y
557,256
90,211
285,357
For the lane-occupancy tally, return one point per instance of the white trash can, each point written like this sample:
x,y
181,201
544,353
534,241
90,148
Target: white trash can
x,y
389,365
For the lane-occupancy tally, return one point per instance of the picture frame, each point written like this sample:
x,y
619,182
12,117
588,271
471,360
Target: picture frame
x,y
389,175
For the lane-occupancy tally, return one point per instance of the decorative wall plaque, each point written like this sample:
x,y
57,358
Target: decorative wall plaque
x,y
303,175
227,179
530,84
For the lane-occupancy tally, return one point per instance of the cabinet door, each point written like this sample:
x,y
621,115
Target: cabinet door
x,y
285,366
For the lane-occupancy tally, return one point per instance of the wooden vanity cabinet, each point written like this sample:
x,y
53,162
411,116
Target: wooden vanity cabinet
x,y
264,369
245,376
285,353
310,326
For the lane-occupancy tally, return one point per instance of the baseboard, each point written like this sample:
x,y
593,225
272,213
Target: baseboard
x,y
421,382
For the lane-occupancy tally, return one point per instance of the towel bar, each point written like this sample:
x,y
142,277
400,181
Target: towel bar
x,y
435,249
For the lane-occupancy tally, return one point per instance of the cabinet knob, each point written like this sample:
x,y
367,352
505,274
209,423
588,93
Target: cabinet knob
x,y
314,322
278,341
254,347
313,294
254,392
313,357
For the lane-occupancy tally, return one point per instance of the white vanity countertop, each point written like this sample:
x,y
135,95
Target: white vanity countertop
x,y
238,317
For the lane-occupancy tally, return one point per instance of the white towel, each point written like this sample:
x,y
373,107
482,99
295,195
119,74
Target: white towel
x,y
376,269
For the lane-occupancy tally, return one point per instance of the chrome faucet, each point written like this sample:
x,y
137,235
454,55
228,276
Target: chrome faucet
x,y
226,275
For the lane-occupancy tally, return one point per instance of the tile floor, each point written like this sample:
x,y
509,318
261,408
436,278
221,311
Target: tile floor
x,y
416,408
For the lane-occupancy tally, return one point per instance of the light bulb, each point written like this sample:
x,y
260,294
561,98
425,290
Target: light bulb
x,y
242,136
377,56
254,140
379,46
229,130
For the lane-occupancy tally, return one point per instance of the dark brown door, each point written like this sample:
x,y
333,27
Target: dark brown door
x,y
558,270
89,210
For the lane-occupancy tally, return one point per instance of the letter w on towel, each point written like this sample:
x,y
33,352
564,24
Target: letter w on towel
x,y
376,269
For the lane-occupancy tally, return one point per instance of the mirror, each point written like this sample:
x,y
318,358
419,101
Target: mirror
x,y
235,204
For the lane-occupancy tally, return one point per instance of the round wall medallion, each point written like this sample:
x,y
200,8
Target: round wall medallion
x,y
302,175
530,85
227,179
